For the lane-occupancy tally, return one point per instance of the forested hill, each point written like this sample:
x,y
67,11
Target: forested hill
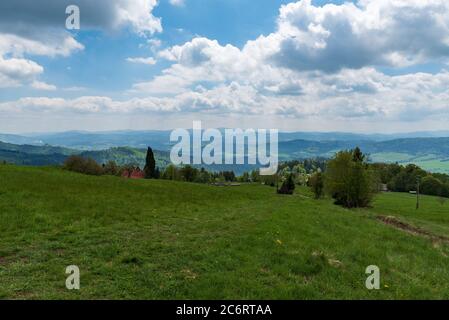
x,y
431,154
412,146
49,155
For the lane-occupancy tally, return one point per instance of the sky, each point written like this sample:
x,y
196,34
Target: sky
x,y
361,66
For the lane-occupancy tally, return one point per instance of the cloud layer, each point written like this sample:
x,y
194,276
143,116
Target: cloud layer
x,y
320,62
38,28
372,33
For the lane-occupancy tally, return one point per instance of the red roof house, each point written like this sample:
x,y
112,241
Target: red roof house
x,y
133,174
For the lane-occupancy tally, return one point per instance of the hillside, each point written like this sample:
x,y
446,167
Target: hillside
x,y
164,240
127,155
49,155
413,146
432,154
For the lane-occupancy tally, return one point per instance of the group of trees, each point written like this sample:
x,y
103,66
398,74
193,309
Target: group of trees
x,y
191,174
352,181
89,166
406,178
151,171
309,165
348,177
299,171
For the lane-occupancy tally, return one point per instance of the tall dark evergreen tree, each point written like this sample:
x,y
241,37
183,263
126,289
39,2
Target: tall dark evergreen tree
x,y
358,155
150,165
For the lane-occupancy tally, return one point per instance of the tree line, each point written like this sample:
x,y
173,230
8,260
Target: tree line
x,y
348,177
400,178
352,181
186,173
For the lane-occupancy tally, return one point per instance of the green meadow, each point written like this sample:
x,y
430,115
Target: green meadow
x,y
154,239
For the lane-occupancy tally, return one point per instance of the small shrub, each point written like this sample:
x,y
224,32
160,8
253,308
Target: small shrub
x,y
431,186
316,183
93,168
189,173
111,168
288,186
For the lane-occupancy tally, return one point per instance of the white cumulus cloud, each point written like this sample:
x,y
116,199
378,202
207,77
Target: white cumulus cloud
x,y
40,85
38,28
149,61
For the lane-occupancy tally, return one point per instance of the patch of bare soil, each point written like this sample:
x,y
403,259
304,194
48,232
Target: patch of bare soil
x,y
396,223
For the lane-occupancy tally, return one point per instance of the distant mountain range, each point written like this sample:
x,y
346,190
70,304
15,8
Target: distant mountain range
x,y
160,140
429,150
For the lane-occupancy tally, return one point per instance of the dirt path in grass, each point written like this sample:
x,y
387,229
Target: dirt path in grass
x,y
396,223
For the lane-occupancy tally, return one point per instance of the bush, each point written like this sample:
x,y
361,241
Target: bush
x,y
93,168
316,183
171,172
189,173
405,180
288,187
244,177
349,180
111,168
431,186
203,176
83,165
270,180
255,176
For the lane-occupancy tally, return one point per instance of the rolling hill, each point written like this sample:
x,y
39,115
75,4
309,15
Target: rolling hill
x,y
431,154
171,240
49,155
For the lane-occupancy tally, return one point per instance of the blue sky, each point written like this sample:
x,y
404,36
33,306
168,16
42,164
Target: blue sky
x,y
365,66
228,21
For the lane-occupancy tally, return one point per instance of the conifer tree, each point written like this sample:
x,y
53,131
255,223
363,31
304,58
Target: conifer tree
x,y
150,165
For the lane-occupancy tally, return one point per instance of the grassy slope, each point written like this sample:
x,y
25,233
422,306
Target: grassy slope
x,y
162,240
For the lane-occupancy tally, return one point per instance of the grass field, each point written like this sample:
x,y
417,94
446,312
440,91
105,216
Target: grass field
x,y
166,240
